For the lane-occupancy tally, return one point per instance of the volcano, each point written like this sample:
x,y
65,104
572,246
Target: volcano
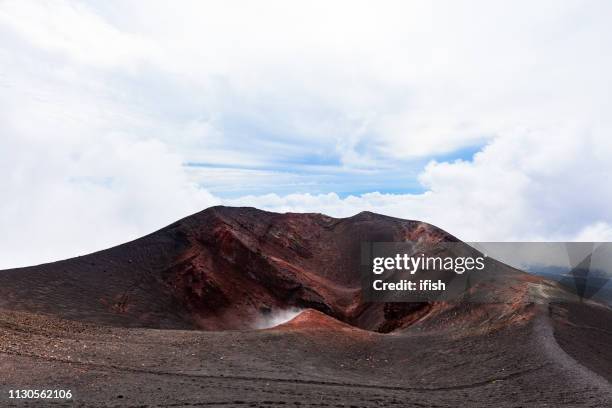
x,y
174,319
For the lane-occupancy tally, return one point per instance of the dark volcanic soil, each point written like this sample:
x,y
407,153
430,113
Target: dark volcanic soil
x,y
117,327
302,363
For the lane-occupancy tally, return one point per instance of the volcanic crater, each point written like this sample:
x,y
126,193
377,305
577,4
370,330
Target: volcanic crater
x,y
170,319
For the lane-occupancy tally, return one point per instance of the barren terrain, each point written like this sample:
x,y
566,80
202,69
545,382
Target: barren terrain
x,y
168,320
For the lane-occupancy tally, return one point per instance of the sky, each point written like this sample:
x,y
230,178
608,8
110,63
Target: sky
x,y
489,119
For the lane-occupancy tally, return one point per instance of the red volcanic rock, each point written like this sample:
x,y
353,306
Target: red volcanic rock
x,y
223,268
313,320
242,261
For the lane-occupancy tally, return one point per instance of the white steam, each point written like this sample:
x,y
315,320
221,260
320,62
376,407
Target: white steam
x,y
276,317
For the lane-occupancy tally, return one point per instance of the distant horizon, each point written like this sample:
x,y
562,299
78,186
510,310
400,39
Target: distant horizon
x,y
544,256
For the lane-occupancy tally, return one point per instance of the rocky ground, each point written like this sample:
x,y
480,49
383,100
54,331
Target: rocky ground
x,y
313,361
169,320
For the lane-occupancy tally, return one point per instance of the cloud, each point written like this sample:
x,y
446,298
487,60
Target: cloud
x,y
75,31
489,120
102,195
519,187
597,232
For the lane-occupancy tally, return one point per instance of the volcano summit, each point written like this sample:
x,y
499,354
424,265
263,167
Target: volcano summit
x,y
173,318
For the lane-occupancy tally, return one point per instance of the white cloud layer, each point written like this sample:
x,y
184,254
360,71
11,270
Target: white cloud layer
x,y
328,107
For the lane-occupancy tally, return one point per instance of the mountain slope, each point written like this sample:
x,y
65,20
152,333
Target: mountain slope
x,y
90,324
218,269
